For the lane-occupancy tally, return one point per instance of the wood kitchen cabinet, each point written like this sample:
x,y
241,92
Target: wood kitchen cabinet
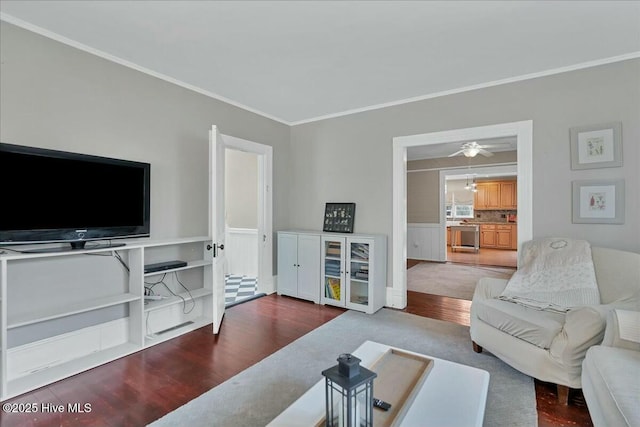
x,y
496,195
487,196
508,195
499,236
503,236
487,235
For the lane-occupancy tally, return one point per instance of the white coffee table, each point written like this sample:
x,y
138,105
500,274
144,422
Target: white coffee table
x,y
452,395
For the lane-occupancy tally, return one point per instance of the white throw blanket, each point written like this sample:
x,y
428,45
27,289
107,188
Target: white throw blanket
x,y
556,274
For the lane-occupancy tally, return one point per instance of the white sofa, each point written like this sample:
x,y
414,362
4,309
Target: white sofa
x,y
611,373
551,346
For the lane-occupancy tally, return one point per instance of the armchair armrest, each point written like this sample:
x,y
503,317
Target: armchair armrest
x,y
583,328
623,329
489,287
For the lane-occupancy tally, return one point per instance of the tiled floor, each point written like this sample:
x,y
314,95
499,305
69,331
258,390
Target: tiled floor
x,y
238,288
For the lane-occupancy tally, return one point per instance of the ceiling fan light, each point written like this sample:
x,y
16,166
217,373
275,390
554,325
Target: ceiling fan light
x,y
471,152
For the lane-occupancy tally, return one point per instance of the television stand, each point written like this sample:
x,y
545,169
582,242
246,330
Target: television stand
x,y
74,246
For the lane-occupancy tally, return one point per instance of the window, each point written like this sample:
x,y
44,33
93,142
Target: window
x,y
463,211
459,211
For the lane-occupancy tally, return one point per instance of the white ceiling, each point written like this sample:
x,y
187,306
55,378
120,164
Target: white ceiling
x,y
298,61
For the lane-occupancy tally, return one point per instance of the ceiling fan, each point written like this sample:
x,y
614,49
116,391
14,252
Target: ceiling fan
x,y
472,149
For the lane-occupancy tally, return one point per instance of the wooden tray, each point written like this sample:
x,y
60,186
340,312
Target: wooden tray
x,y
400,376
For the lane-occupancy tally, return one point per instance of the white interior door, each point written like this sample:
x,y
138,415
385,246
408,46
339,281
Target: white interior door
x,y
216,223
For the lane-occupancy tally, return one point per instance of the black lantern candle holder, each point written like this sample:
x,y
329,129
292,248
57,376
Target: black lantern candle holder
x,y
349,393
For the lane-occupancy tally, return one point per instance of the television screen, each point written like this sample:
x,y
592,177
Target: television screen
x,y
57,196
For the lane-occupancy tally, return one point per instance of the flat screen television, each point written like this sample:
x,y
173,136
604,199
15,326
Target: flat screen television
x,y
50,196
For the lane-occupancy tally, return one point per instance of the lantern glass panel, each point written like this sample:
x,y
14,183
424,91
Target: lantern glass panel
x,y
349,408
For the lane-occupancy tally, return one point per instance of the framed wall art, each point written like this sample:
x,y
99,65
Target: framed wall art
x,y
339,217
598,201
596,146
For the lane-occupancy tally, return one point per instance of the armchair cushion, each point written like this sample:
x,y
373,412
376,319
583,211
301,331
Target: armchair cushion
x,y
533,326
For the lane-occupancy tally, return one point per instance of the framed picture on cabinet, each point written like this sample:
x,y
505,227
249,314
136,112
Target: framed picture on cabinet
x,y
339,217
598,201
596,146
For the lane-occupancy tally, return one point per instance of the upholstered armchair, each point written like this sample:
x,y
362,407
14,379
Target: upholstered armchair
x,y
547,345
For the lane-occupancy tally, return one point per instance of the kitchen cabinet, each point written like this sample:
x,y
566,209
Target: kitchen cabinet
x,y
499,236
450,236
508,195
503,236
487,196
496,195
487,235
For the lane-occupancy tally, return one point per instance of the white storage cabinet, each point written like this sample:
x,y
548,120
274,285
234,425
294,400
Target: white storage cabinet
x,y
299,265
354,271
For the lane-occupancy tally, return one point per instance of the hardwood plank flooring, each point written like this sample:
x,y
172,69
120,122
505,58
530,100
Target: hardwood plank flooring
x,y
486,256
140,388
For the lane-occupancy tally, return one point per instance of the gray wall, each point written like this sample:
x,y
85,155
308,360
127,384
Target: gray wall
x,y
350,158
56,96
241,189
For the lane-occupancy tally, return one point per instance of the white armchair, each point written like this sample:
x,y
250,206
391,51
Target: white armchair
x,y
551,346
611,373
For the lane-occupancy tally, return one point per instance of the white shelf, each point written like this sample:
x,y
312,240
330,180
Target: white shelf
x,y
190,264
66,369
68,310
334,258
151,305
360,261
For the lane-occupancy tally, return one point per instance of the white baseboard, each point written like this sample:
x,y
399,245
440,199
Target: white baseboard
x,y
396,298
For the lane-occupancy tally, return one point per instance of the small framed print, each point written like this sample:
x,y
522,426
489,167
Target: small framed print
x,y
597,146
339,217
598,201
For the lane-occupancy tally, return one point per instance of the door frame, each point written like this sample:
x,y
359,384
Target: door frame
x,y
265,207
522,130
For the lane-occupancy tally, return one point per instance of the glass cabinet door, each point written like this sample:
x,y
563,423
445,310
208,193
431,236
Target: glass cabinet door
x,y
358,273
333,261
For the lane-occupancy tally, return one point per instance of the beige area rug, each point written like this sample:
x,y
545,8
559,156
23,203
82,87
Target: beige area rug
x,y
451,280
258,394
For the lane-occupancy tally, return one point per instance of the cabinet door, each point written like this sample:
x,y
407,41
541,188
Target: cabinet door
x,y
309,267
479,197
487,236
503,237
288,264
360,252
508,195
492,195
333,262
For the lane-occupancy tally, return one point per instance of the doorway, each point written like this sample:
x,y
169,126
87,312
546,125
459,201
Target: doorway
x,y
520,131
248,213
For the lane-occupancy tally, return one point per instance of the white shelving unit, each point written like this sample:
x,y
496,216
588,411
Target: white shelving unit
x,y
348,270
49,291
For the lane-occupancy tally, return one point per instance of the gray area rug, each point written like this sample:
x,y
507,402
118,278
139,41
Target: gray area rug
x,y
451,280
258,394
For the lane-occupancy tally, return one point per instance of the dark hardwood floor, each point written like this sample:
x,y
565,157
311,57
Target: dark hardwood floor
x,y
140,388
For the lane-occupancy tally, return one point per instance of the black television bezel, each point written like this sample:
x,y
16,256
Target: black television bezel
x,y
77,236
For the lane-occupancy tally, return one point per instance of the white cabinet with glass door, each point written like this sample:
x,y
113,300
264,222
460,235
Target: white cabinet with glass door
x,y
354,271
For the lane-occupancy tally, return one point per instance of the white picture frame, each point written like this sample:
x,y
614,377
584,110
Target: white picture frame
x,y
598,201
596,146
